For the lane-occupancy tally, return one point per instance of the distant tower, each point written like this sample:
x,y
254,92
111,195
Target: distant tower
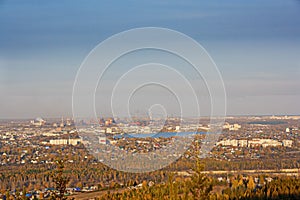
x,y
68,122
62,122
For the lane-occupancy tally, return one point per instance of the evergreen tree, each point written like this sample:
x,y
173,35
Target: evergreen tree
x,y
60,181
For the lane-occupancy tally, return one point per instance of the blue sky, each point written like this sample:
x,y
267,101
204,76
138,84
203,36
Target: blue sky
x,y
256,45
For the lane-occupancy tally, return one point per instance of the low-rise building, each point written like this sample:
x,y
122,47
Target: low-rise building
x,y
232,127
73,142
287,143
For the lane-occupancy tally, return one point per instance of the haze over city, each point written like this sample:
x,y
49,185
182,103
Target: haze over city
x,y
150,100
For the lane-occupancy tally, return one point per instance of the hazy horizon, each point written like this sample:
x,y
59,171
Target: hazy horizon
x,y
255,44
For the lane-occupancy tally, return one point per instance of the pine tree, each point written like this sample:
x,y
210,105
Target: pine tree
x,y
201,185
60,182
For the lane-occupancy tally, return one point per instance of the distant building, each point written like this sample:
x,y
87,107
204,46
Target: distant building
x,y
112,130
108,130
38,122
75,141
263,142
69,122
66,141
255,142
102,140
59,142
232,127
109,121
146,129
228,143
287,143
243,143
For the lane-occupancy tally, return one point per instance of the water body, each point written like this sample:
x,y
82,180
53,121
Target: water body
x,y
156,135
268,122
